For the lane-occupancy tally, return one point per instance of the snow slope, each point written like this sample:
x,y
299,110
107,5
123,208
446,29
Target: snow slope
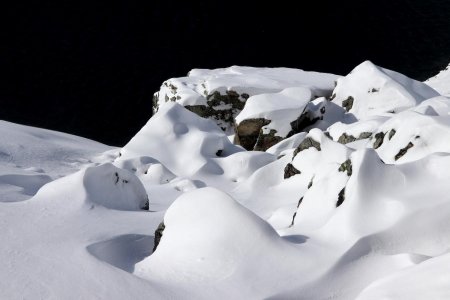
x,y
352,204
441,82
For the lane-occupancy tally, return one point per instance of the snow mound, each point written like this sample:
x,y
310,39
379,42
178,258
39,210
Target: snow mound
x,y
114,188
180,140
371,90
211,239
104,185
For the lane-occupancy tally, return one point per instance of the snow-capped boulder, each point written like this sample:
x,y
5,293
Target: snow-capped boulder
x,y
371,90
221,94
114,188
267,119
103,185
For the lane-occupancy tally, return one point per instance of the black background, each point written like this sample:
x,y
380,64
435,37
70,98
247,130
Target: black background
x,y
91,69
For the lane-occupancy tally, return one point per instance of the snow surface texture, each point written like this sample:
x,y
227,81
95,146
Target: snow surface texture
x,y
440,82
352,204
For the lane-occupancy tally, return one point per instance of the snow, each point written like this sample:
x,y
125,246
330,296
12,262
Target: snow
x,y
356,206
377,91
277,107
441,81
193,89
199,88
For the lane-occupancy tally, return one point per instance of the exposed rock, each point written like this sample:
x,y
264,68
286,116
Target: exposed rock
x,y
158,235
293,219
306,144
341,197
391,133
346,166
310,183
364,135
348,103
225,116
302,122
332,96
248,131
379,137
345,139
222,108
295,214
146,205
290,171
404,150
155,103
265,141
230,97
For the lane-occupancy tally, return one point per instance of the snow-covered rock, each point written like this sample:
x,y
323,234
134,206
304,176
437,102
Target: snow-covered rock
x,y
221,94
349,200
370,90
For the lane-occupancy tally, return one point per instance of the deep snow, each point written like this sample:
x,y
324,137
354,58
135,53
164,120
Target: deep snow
x,y
356,206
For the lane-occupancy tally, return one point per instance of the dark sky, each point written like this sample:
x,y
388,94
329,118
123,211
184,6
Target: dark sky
x,y
91,70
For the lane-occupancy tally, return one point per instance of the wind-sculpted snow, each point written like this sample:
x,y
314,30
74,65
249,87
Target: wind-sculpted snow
x,y
347,197
370,90
440,82
180,140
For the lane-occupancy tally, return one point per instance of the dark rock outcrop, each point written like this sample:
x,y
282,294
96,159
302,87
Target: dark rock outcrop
x,y
379,138
346,166
345,138
303,121
158,235
290,171
348,103
146,205
391,133
341,197
295,214
265,141
403,150
306,144
248,131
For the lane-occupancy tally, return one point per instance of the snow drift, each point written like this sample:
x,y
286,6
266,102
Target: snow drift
x,y
347,197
